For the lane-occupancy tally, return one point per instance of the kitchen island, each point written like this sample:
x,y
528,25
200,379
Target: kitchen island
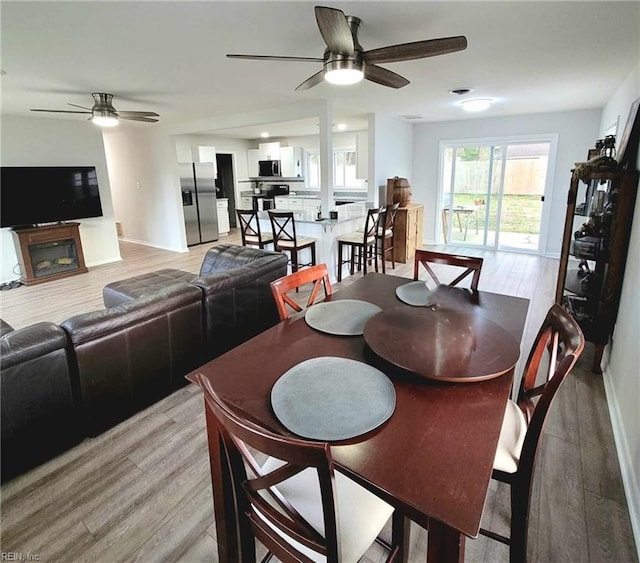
x,y
351,217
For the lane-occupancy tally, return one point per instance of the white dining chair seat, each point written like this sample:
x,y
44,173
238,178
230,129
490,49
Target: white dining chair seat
x,y
361,514
355,238
302,241
512,433
253,239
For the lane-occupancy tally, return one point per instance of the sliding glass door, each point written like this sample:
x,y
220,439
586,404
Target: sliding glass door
x,y
492,193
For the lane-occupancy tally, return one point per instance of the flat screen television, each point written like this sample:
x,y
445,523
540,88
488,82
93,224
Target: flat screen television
x,y
30,195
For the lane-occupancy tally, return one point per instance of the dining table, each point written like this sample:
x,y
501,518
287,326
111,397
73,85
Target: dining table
x,y
432,459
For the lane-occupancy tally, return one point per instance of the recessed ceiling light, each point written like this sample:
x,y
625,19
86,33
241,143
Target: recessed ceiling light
x,y
480,104
341,126
264,135
461,91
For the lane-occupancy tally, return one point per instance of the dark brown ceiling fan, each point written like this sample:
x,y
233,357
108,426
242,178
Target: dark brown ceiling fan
x,y
103,112
344,60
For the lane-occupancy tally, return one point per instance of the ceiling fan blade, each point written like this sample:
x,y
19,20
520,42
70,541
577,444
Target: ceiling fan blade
x,y
60,111
138,118
335,30
312,81
416,50
137,113
383,76
77,106
275,58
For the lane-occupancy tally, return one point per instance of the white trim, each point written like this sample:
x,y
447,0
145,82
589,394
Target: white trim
x,y
153,245
627,468
551,138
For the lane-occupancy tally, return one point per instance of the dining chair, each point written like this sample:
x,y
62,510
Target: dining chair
x,y
556,348
296,503
250,229
360,243
318,275
384,235
472,265
285,239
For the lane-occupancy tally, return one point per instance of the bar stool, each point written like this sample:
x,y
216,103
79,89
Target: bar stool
x,y
361,244
283,226
250,229
384,235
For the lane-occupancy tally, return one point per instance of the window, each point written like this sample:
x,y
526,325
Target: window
x,y
344,170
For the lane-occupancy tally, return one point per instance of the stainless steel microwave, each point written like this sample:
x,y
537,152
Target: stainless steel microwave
x,y
269,168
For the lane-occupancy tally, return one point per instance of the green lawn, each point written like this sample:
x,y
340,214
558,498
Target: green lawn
x,y
520,213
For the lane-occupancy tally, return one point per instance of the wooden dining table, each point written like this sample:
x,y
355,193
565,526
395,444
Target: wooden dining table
x,y
432,459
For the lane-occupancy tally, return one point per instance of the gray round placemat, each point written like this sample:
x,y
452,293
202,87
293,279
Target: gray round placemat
x,y
343,317
414,293
329,398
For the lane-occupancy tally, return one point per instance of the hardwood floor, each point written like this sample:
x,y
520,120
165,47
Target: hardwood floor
x,y
141,491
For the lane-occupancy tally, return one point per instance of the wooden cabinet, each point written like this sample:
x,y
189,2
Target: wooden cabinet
x,y
407,232
49,253
594,251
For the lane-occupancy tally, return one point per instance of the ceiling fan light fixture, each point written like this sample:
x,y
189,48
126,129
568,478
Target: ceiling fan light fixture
x,y
343,71
104,118
480,104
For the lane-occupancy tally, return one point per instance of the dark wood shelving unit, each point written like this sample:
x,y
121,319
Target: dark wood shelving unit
x,y
49,252
594,251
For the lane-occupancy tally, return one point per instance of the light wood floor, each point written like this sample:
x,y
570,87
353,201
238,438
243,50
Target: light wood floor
x,y
141,491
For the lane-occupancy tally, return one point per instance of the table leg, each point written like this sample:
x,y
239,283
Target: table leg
x,y
444,544
223,501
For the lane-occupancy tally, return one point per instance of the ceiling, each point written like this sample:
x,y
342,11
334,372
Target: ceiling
x,y
169,57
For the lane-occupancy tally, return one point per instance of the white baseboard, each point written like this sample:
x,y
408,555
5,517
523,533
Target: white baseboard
x,y
161,247
101,262
629,477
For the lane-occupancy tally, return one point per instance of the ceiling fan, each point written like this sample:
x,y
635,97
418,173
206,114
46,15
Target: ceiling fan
x,y
344,60
103,113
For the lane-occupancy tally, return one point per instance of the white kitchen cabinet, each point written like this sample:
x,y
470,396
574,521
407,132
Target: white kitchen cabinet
x,y
291,159
223,216
246,202
206,154
269,151
253,156
362,155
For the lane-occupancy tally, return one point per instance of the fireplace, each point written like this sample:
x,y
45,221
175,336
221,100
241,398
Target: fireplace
x,y
49,252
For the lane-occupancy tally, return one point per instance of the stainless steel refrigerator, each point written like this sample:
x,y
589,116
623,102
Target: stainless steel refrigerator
x,y
197,182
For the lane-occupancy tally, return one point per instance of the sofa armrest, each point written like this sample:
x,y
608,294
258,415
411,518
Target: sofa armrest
x,y
40,416
128,357
239,303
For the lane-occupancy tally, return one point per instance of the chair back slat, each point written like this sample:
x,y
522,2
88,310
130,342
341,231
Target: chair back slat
x,y
283,226
318,275
249,227
472,266
262,509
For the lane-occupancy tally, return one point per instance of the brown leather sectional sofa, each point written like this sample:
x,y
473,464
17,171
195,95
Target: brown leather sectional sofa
x,y
62,383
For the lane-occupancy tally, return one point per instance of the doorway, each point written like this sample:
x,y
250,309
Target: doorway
x,y
493,192
225,184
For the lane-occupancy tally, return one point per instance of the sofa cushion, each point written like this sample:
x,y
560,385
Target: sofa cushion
x,y
122,291
40,415
126,358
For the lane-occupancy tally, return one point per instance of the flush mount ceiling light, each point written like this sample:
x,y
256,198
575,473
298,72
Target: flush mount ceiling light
x,y
264,135
480,104
341,126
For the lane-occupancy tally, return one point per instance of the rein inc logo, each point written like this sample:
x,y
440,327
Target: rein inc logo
x,y
18,556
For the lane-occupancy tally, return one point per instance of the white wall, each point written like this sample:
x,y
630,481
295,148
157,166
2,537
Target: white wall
x,y
146,186
622,357
576,130
33,141
391,153
239,147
